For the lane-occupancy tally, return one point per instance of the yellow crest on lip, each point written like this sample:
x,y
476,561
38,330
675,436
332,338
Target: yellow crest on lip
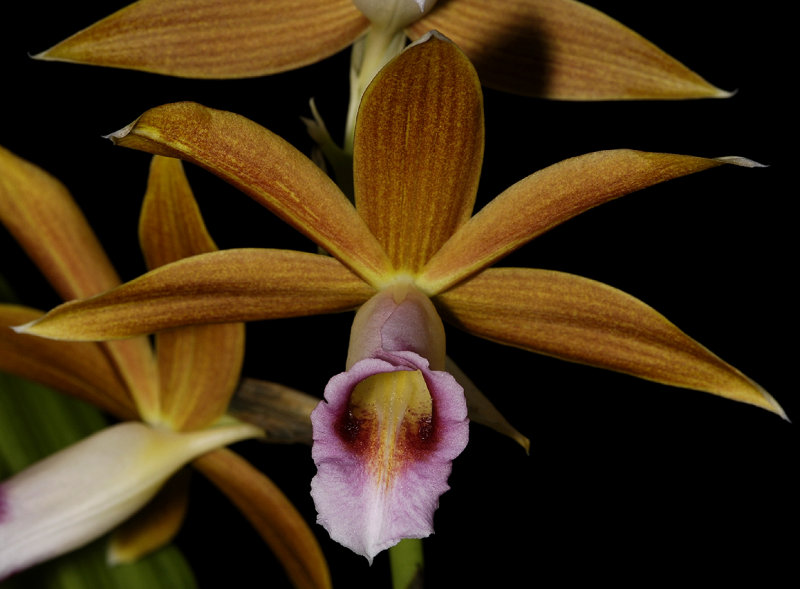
x,y
390,419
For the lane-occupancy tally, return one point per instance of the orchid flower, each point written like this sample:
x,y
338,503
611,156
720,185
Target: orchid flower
x,y
172,399
409,251
559,49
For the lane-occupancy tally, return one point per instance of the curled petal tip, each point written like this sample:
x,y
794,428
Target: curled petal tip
x,y
741,161
765,401
720,93
432,34
25,327
44,56
774,405
117,135
32,328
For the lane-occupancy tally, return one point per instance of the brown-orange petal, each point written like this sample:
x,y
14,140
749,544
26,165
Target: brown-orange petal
x,y
272,514
561,49
42,216
549,197
80,369
215,38
580,320
198,365
199,368
266,168
170,225
219,287
418,150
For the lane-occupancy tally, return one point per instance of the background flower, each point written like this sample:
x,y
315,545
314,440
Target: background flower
x,y
560,49
595,470
180,385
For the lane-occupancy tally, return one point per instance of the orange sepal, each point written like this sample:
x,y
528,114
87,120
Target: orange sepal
x,y
80,369
580,320
561,49
272,514
266,168
215,38
218,287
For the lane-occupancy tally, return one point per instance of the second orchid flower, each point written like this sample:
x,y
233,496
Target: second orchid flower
x,y
172,400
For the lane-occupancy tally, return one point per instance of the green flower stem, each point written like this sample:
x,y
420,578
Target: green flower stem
x,y
407,564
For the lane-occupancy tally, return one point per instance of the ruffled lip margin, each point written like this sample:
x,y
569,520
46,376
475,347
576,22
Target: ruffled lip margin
x,y
358,513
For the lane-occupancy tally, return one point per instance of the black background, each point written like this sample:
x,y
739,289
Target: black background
x,y
627,482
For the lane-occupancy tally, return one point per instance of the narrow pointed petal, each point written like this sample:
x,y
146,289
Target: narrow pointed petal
x,y
213,38
418,150
481,410
561,49
584,321
42,216
155,525
272,514
220,287
170,225
384,441
199,365
549,197
266,168
82,370
48,509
